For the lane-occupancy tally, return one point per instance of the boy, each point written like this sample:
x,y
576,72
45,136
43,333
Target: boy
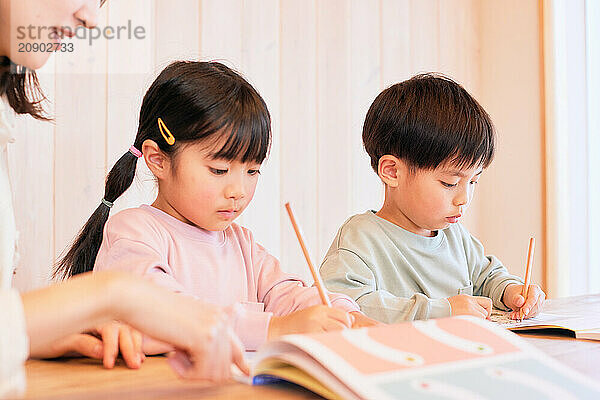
x,y
429,141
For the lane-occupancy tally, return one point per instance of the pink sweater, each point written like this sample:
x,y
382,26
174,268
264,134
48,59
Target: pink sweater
x,y
223,268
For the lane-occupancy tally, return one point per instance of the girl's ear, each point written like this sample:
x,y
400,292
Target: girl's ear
x,y
156,160
391,170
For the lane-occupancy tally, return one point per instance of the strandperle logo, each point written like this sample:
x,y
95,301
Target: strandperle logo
x,y
120,32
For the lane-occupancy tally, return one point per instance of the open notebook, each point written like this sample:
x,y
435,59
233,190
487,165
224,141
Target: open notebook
x,y
579,316
459,357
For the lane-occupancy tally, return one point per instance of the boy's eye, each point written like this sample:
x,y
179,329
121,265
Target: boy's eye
x,y
448,185
218,171
253,172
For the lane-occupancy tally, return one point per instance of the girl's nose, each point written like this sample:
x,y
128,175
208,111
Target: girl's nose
x,y
235,191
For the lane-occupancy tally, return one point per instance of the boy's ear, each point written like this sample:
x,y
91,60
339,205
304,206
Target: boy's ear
x,y
390,170
156,160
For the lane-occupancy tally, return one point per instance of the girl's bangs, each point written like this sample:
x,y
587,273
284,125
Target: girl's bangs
x,y
248,140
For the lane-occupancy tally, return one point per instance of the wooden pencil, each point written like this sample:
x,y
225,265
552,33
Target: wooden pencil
x,y
315,275
525,290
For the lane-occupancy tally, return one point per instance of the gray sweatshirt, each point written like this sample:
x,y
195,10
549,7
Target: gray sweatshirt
x,y
396,275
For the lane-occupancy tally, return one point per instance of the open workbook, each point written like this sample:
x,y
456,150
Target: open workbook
x,y
578,316
459,357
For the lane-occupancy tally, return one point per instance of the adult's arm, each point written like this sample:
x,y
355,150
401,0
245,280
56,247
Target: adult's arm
x,y
201,333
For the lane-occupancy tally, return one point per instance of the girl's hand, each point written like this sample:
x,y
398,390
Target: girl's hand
x,y
116,336
101,343
72,345
361,320
524,308
312,319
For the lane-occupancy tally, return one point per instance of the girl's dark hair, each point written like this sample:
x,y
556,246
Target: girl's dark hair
x,y
196,101
22,89
427,121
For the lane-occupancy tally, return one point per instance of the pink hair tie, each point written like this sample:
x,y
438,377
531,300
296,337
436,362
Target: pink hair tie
x,y
135,151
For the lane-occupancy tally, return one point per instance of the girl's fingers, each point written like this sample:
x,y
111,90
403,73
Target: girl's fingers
x,y
110,339
341,316
86,345
334,325
138,343
128,351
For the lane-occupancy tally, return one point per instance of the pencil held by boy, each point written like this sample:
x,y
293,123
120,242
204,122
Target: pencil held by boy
x,y
429,141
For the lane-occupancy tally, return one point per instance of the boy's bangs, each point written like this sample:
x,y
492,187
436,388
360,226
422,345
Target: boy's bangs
x,y
474,150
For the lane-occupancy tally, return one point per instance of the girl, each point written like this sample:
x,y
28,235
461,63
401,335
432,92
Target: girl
x,y
204,133
44,323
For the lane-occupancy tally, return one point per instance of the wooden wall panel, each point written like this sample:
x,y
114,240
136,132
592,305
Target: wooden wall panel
x,y
31,163
80,141
366,82
131,71
298,92
334,180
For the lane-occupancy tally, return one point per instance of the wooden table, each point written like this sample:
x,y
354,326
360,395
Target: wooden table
x,y
77,378
85,378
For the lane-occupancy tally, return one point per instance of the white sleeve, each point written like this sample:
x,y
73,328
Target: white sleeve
x,y
14,344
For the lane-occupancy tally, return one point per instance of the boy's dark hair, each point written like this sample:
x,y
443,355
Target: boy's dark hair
x,y
197,101
427,121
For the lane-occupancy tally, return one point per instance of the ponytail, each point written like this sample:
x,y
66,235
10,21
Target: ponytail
x,y
81,256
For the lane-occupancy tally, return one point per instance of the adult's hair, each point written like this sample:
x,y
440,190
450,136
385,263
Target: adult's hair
x,y
197,101
22,89
427,121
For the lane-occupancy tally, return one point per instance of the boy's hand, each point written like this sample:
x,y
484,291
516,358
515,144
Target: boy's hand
x,y
312,319
478,306
361,320
524,308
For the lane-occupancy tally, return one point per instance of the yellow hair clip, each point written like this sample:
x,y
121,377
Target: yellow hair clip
x,y
168,136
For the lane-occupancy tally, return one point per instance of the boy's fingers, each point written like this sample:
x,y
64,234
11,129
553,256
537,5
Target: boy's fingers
x,y
538,305
518,301
480,312
486,303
